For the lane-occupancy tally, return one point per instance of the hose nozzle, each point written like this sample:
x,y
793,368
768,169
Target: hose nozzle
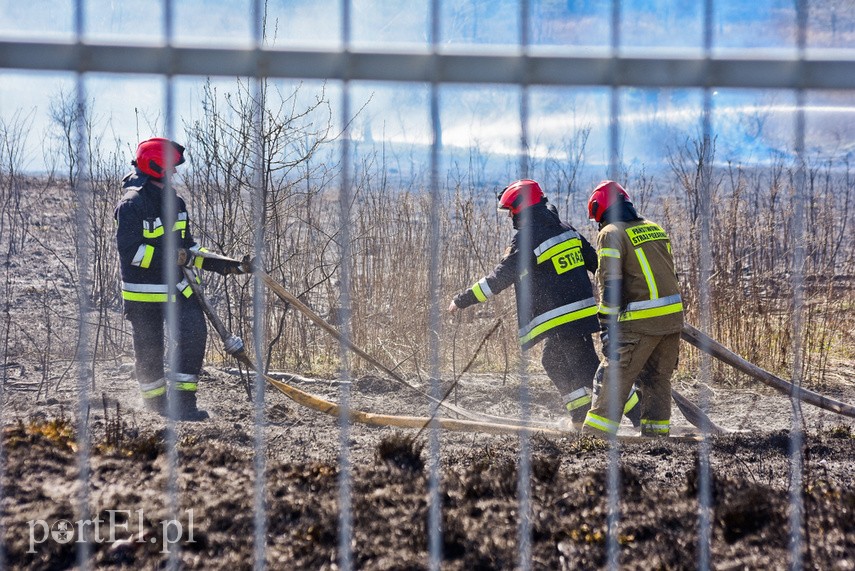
x,y
233,345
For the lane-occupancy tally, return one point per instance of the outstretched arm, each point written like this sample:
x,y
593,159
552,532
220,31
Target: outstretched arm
x,y
502,277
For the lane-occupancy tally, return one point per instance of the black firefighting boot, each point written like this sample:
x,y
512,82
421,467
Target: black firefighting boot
x,y
577,404
156,404
186,409
183,391
154,395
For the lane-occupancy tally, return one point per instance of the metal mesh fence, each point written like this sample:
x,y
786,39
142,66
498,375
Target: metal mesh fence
x,y
530,69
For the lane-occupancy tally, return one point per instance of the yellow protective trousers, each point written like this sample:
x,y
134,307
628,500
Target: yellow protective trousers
x,y
650,361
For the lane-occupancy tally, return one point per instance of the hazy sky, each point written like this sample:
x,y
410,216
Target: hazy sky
x,y
749,123
736,23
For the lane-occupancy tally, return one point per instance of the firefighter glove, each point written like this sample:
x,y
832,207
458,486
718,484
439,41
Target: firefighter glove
x,y
247,264
185,258
236,267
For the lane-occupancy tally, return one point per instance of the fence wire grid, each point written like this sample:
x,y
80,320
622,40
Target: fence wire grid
x,y
522,69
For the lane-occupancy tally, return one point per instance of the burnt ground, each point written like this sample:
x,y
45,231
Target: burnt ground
x,y
129,467
658,503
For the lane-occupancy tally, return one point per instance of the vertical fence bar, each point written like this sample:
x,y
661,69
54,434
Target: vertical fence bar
x,y
435,531
434,332
83,196
705,199
345,519
526,298
3,459
613,470
796,515
258,313
170,210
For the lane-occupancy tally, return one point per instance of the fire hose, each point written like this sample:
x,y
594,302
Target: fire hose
x,y
290,298
692,335
708,345
235,347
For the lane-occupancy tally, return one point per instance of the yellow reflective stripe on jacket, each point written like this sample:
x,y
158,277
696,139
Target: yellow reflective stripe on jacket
x,y
556,245
648,313
648,273
601,423
155,228
609,253
482,290
184,287
550,243
139,255
144,292
652,308
181,224
142,258
198,260
150,297
154,293
149,254
556,317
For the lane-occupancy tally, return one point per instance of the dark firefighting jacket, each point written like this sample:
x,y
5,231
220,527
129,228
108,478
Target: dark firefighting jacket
x,y
141,241
552,272
635,256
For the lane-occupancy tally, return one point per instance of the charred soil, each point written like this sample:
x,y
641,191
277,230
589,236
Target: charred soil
x,y
480,498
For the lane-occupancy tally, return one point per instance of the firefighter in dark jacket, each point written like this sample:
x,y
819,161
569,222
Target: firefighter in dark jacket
x,y
548,262
141,218
641,312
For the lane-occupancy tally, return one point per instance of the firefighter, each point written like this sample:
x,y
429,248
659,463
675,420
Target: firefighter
x,y
560,309
641,313
141,218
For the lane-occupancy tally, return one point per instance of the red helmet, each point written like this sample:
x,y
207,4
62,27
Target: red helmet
x,y
152,156
520,195
604,197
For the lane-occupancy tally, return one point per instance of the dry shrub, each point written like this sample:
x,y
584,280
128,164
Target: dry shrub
x,y
751,285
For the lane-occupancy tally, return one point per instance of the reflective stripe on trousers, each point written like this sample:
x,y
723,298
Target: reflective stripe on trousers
x,y
184,382
577,399
153,389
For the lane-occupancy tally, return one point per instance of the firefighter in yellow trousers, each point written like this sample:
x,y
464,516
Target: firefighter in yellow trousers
x,y
641,314
547,263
